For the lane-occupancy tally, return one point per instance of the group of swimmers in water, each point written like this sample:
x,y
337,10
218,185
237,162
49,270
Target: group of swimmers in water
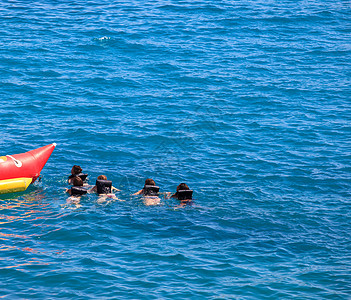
x,y
106,190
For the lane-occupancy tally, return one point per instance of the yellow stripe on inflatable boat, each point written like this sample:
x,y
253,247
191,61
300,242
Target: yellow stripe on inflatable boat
x,y
14,185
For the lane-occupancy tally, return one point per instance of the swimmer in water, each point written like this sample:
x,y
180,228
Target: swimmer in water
x,y
184,194
77,184
76,171
105,189
149,192
103,186
76,191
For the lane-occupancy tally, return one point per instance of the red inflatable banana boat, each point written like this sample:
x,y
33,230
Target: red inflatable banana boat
x,y
18,171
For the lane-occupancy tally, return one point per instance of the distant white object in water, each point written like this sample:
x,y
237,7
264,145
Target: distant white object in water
x,y
104,38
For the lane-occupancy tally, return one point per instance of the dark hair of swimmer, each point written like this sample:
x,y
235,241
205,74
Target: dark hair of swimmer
x,y
76,170
77,181
102,177
149,181
182,186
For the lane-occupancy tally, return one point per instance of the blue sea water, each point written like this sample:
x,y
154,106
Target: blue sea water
x,y
248,102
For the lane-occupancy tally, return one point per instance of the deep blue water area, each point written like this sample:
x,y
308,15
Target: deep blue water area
x,y
248,102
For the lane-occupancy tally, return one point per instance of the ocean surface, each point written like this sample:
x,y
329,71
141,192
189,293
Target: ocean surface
x,y
248,102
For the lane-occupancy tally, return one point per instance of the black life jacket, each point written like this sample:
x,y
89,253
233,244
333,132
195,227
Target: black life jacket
x,y
103,186
81,175
78,191
150,190
185,195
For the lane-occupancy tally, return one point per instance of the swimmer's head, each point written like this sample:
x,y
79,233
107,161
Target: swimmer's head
x,y
182,187
102,177
150,181
77,181
76,170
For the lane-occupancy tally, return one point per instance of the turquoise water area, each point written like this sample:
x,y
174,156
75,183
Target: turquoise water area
x,y
248,102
